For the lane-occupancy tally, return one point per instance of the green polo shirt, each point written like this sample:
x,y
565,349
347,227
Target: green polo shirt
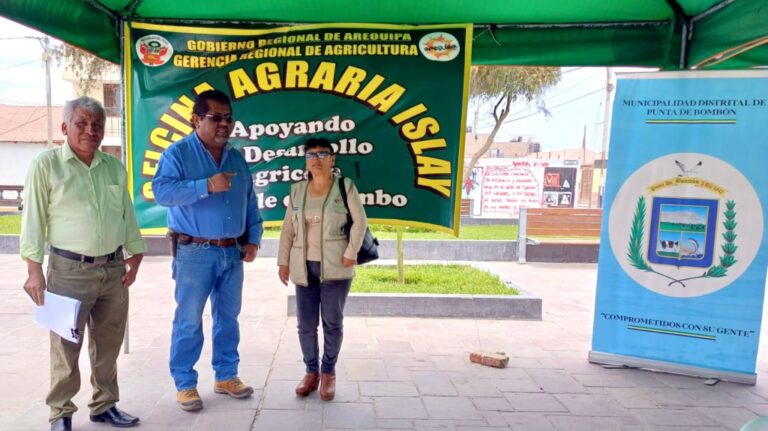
x,y
83,209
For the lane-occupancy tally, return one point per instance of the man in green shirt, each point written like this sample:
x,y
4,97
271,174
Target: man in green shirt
x,y
76,200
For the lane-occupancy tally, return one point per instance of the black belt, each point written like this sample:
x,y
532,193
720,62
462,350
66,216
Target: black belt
x,y
185,239
88,259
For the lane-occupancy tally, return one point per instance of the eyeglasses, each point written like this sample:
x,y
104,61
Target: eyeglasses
x,y
317,155
216,118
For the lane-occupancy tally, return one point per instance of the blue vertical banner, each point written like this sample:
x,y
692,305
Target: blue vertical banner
x,y
682,266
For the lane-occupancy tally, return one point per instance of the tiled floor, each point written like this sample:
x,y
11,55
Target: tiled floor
x,y
393,373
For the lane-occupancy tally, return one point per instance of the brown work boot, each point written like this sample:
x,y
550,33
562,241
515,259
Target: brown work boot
x,y
233,387
327,386
308,384
189,400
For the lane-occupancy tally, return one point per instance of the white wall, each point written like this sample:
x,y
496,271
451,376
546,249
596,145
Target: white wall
x,y
14,161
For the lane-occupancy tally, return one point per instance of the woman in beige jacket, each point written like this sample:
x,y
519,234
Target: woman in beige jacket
x,y
319,259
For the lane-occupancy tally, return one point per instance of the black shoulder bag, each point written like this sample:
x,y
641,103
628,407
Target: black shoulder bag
x,y
369,251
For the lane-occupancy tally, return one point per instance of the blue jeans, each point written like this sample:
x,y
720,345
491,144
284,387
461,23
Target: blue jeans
x,y
201,271
324,299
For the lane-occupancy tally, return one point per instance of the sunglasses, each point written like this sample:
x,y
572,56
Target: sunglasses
x,y
216,118
318,155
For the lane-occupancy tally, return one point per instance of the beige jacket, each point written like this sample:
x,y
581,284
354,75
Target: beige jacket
x,y
293,244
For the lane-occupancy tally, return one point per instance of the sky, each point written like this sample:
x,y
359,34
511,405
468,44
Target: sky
x,y
575,103
22,70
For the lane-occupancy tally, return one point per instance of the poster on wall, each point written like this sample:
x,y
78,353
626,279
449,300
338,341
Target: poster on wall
x,y
560,185
472,189
390,98
500,187
682,266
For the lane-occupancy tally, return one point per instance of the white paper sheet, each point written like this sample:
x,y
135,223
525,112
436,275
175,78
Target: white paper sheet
x,y
59,314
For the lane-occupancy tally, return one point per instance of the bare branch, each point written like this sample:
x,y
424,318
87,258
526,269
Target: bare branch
x,y
496,109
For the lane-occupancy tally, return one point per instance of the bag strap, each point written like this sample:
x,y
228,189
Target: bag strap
x,y
343,191
290,193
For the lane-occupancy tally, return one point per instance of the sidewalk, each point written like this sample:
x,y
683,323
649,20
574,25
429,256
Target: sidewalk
x,y
393,373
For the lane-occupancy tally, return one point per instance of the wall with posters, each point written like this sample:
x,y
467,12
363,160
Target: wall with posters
x,y
498,188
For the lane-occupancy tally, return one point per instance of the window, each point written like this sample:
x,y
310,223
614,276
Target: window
x,y
112,94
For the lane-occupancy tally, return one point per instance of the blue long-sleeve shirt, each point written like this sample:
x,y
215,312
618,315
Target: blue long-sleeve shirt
x,y
181,183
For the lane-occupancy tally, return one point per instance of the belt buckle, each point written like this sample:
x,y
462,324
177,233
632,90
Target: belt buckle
x,y
100,260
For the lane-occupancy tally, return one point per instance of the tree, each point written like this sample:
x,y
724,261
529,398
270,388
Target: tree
x,y
500,86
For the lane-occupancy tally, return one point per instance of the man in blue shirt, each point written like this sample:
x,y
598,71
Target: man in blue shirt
x,y
208,188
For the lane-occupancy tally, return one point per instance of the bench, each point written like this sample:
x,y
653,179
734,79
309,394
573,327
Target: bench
x,y
557,222
10,196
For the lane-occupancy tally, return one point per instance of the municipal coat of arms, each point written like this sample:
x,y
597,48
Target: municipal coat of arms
x,y
678,225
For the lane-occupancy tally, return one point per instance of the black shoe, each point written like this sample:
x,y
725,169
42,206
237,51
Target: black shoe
x,y
63,423
116,417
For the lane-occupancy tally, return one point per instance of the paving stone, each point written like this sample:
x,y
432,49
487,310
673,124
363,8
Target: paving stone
x,y
223,402
349,416
548,385
364,369
446,424
433,383
413,361
399,373
449,363
556,381
394,423
529,422
492,404
679,381
591,405
674,417
670,397
672,428
576,366
632,398
281,395
293,372
476,388
574,423
518,385
643,378
225,421
282,420
349,392
758,409
168,414
388,389
393,346
524,363
476,428
399,408
603,380
714,397
450,408
728,415
494,419
254,375
743,393
523,402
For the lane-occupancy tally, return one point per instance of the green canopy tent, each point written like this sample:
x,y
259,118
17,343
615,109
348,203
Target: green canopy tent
x,y
669,34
